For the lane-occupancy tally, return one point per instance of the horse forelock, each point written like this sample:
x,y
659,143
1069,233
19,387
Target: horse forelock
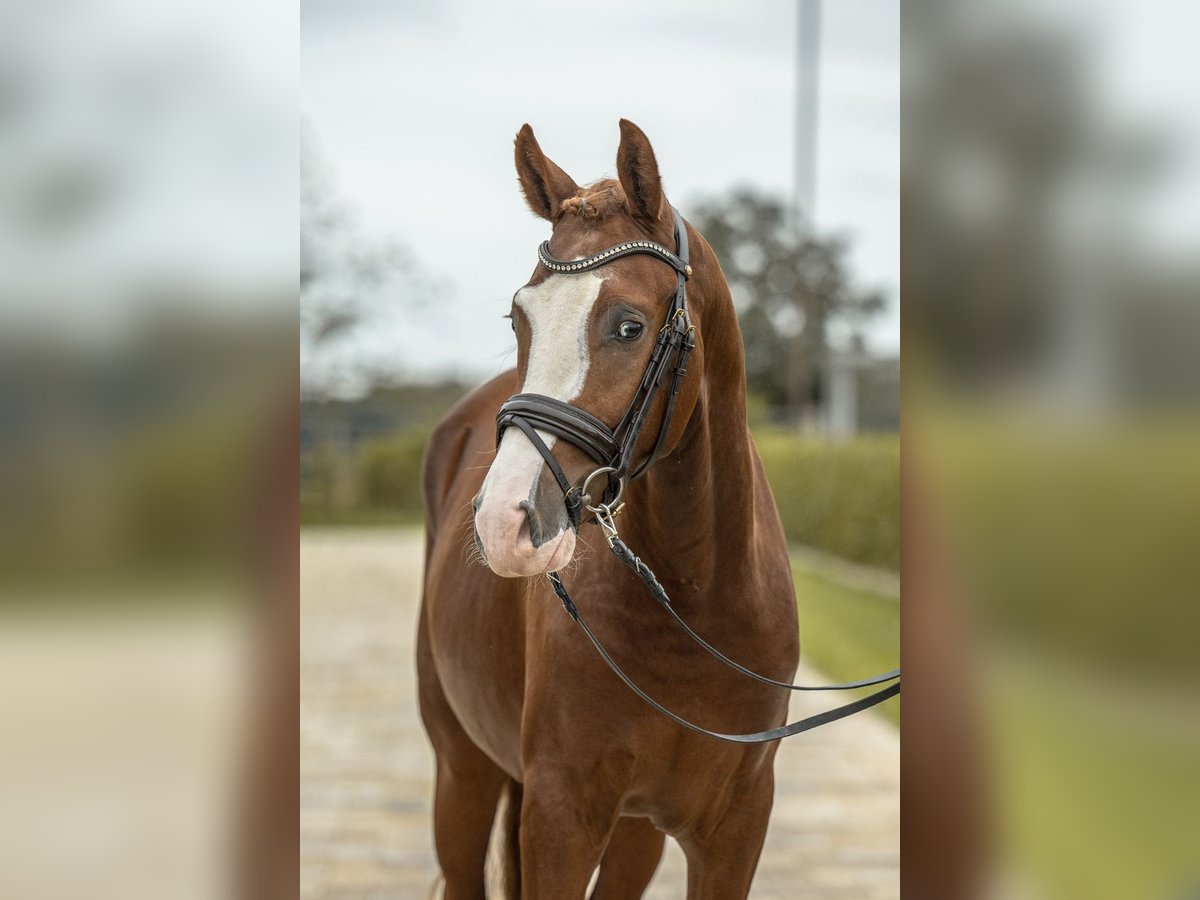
x,y
597,201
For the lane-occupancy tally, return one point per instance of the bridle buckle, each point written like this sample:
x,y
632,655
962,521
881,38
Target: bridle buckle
x,y
672,322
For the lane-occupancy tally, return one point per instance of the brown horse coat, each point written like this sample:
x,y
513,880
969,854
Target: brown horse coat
x,y
512,695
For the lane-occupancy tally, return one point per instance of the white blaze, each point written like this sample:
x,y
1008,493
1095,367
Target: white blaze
x,y
557,310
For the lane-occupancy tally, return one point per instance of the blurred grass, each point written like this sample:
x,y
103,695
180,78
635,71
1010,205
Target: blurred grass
x,y
847,632
1065,740
1079,542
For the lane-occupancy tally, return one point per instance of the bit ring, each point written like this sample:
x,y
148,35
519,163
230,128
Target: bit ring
x,y
587,499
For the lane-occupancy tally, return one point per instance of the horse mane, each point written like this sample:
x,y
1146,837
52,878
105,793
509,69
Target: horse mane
x,y
596,201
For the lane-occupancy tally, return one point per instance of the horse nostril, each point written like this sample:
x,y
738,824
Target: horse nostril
x,y
536,535
541,529
476,502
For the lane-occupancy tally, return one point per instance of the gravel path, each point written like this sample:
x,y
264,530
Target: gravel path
x,y
366,768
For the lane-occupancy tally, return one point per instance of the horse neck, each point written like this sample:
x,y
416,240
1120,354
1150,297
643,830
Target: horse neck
x,y
694,509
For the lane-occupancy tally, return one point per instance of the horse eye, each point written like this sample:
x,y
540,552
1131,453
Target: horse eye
x,y
629,330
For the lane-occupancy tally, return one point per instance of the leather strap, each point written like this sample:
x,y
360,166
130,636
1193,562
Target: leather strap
x,y
757,737
628,248
681,244
643,571
688,345
570,423
572,496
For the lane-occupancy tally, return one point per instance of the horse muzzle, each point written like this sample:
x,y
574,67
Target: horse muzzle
x,y
521,522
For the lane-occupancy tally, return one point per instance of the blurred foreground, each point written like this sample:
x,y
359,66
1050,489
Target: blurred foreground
x,y
148,371
1051,501
122,754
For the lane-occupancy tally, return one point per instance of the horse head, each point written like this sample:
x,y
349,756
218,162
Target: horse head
x,y
583,338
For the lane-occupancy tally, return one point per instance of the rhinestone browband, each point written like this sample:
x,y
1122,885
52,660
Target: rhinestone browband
x,y
629,248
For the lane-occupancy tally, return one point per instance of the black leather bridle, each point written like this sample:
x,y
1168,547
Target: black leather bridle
x,y
613,449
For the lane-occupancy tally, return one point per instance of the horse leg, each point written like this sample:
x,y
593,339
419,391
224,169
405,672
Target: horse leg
x,y
467,788
629,861
721,862
566,820
464,808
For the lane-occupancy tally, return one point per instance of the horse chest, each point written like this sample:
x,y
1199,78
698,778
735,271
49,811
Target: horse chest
x,y
477,641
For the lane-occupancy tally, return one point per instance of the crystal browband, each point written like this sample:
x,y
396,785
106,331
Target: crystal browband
x,y
628,248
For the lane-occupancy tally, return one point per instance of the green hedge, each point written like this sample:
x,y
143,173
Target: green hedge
x,y
378,483
839,496
389,473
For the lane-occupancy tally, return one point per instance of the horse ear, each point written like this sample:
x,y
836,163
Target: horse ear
x,y
638,170
544,184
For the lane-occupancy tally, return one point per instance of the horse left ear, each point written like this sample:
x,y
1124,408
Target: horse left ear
x,y
544,184
638,170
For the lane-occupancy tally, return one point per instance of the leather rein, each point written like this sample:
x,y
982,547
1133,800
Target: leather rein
x,y
613,449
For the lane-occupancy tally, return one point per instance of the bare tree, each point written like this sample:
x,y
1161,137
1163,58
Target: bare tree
x,y
350,285
788,286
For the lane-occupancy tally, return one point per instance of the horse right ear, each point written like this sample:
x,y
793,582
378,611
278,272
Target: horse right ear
x,y
544,184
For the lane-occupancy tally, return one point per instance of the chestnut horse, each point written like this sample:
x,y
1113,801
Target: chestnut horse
x,y
513,698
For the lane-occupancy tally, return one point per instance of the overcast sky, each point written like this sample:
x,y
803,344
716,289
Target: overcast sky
x,y
415,106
